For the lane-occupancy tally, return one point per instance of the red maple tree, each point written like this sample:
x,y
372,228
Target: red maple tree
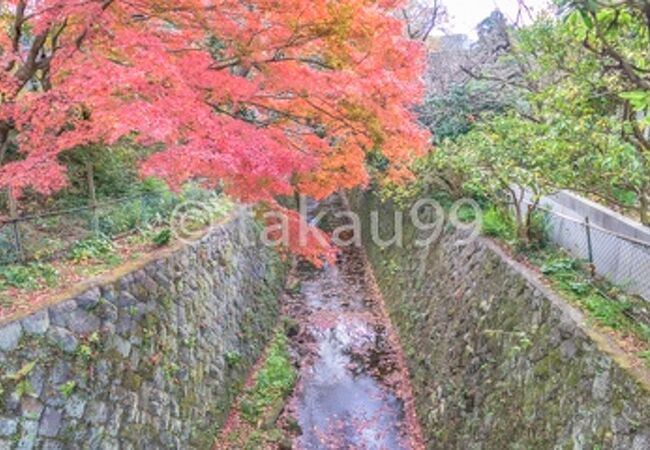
x,y
267,97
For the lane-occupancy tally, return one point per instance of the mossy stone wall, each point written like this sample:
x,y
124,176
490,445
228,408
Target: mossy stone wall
x,y
150,359
497,360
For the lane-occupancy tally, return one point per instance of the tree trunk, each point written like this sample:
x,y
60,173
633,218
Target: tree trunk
x,y
529,224
644,214
521,223
4,141
531,210
92,197
15,225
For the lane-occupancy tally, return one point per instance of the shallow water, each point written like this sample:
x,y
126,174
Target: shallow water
x,y
347,397
340,409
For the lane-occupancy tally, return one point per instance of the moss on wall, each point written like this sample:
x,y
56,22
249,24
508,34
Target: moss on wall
x,y
141,360
496,360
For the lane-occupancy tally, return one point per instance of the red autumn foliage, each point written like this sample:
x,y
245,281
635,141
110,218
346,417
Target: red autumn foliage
x,y
264,96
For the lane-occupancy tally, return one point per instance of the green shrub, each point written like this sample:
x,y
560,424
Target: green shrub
x,y
625,197
497,223
120,218
233,359
274,381
558,265
603,303
30,276
163,238
115,170
99,248
467,214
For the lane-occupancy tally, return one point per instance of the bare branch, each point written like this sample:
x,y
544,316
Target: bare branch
x,y
422,18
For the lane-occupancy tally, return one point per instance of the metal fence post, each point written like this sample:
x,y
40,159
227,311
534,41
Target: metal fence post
x,y
13,215
143,206
93,197
590,247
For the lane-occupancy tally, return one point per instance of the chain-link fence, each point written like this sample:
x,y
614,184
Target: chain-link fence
x,y
46,235
621,259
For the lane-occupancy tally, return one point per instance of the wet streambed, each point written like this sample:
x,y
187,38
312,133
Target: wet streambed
x,y
353,392
352,389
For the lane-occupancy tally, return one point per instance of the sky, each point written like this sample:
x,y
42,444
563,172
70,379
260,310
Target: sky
x,y
464,15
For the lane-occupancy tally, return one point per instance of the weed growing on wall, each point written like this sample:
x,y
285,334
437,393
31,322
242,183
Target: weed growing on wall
x,y
604,303
274,381
261,404
498,224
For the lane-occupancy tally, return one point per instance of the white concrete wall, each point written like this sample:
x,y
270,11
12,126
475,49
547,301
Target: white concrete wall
x,y
621,246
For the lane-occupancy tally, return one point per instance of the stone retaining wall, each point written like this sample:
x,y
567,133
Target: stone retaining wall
x,y
149,359
497,360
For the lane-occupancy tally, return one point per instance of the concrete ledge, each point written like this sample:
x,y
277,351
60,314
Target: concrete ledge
x,y
579,207
604,341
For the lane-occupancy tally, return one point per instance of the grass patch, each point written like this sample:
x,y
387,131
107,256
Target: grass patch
x,y
499,224
29,276
261,405
274,381
606,304
645,356
163,238
94,249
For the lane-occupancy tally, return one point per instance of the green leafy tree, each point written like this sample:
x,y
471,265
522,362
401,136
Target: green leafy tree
x,y
617,34
501,159
576,118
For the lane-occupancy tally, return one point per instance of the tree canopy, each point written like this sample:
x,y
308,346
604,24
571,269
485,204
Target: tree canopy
x,y
264,98
568,109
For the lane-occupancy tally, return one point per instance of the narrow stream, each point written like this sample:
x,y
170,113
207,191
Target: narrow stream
x,y
353,391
